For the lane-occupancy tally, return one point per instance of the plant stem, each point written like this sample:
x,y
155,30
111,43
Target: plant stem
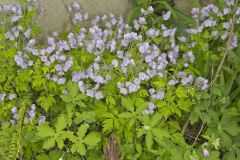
x,y
229,41
227,51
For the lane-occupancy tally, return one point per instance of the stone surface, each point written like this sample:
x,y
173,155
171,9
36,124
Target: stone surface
x,y
56,16
185,5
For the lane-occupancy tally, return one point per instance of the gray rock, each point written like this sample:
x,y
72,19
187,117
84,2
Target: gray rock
x,y
56,17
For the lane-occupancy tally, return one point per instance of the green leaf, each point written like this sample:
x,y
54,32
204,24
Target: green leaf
x,y
60,142
46,102
82,130
160,83
107,125
66,98
217,91
164,109
230,155
226,140
181,92
81,149
92,139
49,143
45,131
160,133
141,105
87,116
149,140
125,115
2,76
73,88
61,123
128,104
155,119
110,100
80,96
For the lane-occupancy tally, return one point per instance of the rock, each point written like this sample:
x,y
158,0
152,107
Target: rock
x,y
185,5
205,2
56,16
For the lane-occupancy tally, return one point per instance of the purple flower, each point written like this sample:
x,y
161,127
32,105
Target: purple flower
x,y
61,81
151,91
62,58
42,119
137,81
12,96
206,153
187,80
98,95
108,77
27,33
33,106
167,16
31,113
152,33
76,5
136,25
151,111
142,20
2,96
65,92
209,23
99,79
181,74
189,56
15,18
20,61
68,65
115,63
202,83
58,67
143,47
12,121
14,110
159,96
172,82
81,86
133,87
226,25
182,39
90,93
123,91
214,33
226,11
151,106
143,76
76,76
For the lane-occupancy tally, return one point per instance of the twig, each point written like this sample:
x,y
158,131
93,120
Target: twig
x,y
185,127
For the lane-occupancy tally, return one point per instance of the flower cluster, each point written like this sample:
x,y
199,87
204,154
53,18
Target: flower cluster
x,y
31,112
14,115
150,110
10,97
114,39
135,55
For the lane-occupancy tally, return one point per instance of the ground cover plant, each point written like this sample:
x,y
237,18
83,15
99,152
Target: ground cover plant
x,y
145,90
